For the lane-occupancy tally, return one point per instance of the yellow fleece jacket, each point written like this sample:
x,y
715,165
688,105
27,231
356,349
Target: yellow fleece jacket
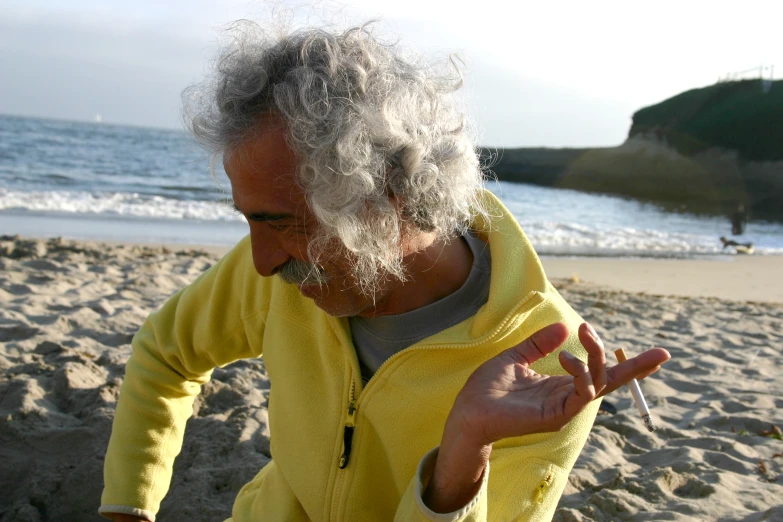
x,y
230,312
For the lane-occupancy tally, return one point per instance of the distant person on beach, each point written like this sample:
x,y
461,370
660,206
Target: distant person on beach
x,y
738,220
421,365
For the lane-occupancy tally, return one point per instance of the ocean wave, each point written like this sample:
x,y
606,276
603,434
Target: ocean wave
x,y
548,237
117,203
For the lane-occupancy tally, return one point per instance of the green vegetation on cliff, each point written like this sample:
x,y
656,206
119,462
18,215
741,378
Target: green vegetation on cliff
x,y
743,116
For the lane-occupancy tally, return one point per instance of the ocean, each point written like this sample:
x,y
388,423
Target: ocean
x,y
106,182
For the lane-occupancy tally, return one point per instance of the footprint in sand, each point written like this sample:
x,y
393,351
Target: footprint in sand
x,y
683,485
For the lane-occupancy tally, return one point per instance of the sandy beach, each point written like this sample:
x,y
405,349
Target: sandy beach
x,y
731,277
69,310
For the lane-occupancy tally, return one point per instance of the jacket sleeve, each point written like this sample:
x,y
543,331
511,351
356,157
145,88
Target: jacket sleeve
x,y
174,353
526,475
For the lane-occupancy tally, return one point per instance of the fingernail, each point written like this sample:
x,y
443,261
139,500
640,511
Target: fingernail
x,y
568,355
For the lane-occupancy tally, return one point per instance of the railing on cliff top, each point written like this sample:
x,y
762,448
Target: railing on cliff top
x,y
752,73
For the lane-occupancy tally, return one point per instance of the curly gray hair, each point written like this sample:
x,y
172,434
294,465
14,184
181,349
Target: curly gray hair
x,y
365,122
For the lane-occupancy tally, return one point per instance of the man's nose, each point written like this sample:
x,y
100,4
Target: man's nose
x,y
268,255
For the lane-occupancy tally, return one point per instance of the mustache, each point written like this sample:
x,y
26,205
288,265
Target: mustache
x,y
298,272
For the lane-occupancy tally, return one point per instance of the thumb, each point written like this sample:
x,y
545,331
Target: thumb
x,y
540,344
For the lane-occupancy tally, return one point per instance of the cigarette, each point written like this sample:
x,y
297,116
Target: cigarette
x,y
636,392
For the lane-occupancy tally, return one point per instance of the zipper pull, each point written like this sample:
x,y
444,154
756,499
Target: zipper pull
x,y
348,435
542,488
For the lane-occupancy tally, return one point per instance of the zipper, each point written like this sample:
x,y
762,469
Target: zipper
x,y
350,424
342,463
542,487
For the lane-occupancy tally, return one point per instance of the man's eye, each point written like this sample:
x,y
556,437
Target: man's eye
x,y
280,228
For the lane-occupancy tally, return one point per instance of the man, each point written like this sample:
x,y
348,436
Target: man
x,y
738,220
408,330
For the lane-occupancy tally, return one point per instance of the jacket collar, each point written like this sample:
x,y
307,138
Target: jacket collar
x,y
517,273
517,285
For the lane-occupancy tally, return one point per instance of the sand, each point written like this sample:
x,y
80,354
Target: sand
x,y
69,310
713,402
735,277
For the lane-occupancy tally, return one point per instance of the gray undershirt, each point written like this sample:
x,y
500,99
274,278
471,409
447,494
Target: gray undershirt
x,y
379,338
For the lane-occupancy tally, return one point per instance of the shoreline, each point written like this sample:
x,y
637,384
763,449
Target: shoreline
x,y
755,278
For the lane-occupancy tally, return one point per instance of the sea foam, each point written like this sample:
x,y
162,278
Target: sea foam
x,y
122,204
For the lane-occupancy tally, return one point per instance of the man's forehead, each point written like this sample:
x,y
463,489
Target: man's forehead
x,y
262,173
263,148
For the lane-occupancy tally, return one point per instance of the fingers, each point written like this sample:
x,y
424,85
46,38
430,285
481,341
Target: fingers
x,y
637,367
596,356
584,391
648,373
583,381
540,344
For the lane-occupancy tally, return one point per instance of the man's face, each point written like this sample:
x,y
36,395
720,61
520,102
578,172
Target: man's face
x,y
262,173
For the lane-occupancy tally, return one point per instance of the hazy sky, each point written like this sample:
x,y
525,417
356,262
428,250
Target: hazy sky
x,y
549,73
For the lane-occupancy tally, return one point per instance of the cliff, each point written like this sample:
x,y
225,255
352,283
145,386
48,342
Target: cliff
x,y
705,150
743,116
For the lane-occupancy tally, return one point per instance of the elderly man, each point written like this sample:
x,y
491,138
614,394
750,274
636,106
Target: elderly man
x,y
422,366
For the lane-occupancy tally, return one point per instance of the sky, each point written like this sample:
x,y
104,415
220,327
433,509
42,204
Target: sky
x,y
544,73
